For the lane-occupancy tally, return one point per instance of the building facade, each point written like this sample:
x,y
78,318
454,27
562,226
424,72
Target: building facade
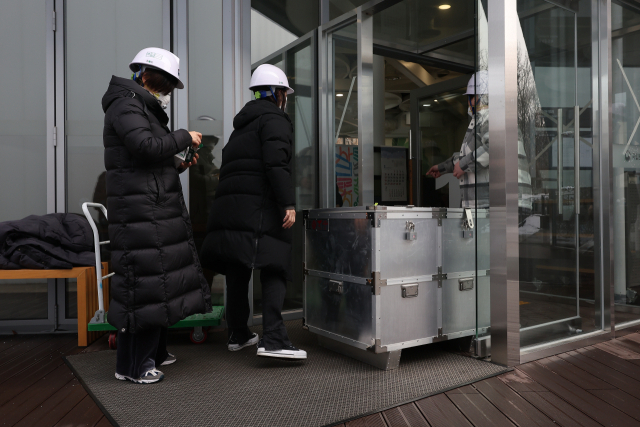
x,y
380,97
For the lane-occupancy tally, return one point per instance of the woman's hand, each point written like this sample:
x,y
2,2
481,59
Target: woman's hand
x,y
457,170
434,171
289,218
184,165
196,139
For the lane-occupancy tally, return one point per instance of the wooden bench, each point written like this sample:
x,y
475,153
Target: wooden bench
x,y
87,293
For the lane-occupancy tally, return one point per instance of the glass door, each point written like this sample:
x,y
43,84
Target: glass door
x,y
439,122
298,62
558,297
625,63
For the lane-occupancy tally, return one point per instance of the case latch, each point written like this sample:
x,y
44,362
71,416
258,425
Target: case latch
x,y
410,233
467,224
410,291
466,284
336,287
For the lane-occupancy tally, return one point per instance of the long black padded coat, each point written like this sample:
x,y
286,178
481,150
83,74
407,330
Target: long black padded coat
x,y
245,222
158,279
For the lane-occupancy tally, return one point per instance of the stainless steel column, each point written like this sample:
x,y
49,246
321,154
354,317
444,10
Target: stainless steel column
x,y
603,179
365,107
503,186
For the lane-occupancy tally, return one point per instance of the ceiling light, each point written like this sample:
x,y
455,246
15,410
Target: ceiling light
x,y
339,94
444,6
426,105
436,100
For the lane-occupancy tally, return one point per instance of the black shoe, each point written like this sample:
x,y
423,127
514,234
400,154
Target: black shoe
x,y
287,352
234,345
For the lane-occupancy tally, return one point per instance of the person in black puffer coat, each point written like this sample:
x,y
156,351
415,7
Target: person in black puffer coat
x,y
158,278
251,217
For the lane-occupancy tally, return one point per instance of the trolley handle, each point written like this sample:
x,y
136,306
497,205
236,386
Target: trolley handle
x,y
99,316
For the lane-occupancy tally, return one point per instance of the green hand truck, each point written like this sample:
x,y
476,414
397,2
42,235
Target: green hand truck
x,y
201,323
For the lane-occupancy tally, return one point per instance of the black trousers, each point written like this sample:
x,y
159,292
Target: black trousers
x,y
137,353
274,287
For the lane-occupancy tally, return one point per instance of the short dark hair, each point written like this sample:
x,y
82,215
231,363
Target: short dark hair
x,y
158,81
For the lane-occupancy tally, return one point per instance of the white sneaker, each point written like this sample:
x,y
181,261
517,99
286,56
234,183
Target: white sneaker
x,y
234,345
149,377
169,360
288,352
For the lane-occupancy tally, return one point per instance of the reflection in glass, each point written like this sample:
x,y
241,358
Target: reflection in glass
x,y
625,63
298,64
23,154
416,25
556,224
23,299
205,116
98,39
345,100
443,124
71,299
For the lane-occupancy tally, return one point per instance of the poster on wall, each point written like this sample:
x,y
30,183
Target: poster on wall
x,y
347,174
393,165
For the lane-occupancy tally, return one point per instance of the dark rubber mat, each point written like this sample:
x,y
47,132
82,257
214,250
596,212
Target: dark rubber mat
x,y
210,386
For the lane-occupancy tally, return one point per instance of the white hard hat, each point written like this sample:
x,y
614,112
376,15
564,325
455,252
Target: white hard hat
x,y
269,75
481,87
158,58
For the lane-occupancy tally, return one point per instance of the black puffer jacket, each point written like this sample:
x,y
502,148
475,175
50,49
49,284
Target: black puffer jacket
x,y
158,279
245,223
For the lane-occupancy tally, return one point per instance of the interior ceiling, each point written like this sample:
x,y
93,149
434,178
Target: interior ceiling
x,y
398,87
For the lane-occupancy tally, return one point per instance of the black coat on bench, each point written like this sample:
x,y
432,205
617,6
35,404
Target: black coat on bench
x,y
54,241
245,222
158,279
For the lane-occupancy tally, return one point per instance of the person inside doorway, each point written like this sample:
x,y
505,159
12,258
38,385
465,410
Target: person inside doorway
x,y
249,226
471,164
158,280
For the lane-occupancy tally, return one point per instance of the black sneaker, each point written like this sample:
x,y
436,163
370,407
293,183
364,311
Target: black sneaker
x,y
287,352
234,345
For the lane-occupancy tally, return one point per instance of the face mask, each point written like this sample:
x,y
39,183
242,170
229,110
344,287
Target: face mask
x,y
163,100
471,110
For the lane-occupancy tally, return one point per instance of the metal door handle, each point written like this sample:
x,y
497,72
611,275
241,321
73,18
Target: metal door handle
x,y
336,287
576,159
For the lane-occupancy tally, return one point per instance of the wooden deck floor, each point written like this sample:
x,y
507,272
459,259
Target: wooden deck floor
x,y
592,386
38,389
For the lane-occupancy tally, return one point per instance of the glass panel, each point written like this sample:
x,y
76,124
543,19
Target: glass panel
x,y
415,25
205,116
276,24
300,68
344,96
101,40
71,299
340,7
24,299
625,63
557,287
23,154
443,122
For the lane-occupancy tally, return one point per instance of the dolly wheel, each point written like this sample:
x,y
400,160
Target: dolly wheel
x,y
198,336
112,341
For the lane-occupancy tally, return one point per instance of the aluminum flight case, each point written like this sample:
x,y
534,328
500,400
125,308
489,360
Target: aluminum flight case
x,y
387,278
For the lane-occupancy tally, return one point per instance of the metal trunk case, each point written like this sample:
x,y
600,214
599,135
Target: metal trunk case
x,y
387,278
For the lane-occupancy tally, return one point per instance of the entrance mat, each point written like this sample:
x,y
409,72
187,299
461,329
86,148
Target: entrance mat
x,y
211,386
